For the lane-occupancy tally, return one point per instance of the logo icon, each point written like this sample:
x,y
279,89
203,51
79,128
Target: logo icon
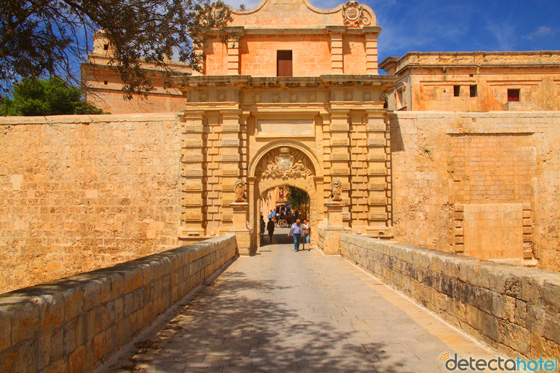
x,y
444,357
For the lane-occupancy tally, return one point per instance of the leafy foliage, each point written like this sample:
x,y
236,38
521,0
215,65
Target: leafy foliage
x,y
297,197
46,97
45,37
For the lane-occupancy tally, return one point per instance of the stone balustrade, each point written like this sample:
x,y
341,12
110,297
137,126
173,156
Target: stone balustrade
x,y
77,323
512,308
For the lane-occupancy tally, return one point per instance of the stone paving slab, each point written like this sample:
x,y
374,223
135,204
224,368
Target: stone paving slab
x,y
298,312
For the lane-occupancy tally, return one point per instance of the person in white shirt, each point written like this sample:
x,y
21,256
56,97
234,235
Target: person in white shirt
x,y
296,232
306,234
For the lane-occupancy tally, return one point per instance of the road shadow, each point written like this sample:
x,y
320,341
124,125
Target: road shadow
x,y
280,237
227,327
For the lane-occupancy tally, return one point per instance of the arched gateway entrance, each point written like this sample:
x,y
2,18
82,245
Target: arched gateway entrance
x,y
285,162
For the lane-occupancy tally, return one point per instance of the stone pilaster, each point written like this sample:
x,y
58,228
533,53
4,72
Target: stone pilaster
x,y
340,156
379,175
233,57
193,163
358,173
371,34
213,171
337,55
235,34
231,163
327,158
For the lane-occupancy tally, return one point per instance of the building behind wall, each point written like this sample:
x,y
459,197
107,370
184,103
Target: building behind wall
x,y
475,81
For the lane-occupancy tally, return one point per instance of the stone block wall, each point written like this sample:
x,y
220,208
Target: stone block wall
x,y
79,193
482,184
512,308
75,324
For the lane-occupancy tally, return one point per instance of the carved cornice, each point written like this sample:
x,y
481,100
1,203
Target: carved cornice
x,y
187,81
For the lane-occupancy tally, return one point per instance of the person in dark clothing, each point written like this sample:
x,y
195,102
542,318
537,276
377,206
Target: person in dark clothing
x,y
262,226
270,228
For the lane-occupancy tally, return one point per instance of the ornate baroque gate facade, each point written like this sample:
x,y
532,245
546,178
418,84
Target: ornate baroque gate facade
x,y
246,127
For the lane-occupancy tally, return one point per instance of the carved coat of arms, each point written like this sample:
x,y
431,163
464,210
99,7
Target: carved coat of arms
x,y
355,15
285,165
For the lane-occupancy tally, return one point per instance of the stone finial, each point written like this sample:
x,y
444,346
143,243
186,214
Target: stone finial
x,y
239,188
336,190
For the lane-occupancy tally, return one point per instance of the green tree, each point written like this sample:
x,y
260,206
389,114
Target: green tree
x,y
297,198
46,97
48,37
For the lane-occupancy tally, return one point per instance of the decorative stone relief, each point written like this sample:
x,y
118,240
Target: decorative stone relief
x,y
239,189
355,15
336,190
285,163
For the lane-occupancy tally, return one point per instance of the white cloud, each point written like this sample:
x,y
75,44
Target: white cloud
x,y
541,32
504,33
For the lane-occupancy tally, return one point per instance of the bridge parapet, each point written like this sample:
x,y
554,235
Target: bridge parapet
x,y
77,323
514,309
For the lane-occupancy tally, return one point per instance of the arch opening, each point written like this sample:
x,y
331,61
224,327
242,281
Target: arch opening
x,y
284,165
278,208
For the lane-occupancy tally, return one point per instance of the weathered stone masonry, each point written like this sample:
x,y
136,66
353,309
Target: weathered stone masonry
x,y
514,309
78,193
76,324
483,184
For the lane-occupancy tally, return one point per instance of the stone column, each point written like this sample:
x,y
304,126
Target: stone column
x,y
193,162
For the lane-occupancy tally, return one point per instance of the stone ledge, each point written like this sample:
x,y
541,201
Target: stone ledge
x,y
101,310
514,309
86,119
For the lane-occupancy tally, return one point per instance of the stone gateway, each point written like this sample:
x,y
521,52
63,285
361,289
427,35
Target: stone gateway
x,y
452,151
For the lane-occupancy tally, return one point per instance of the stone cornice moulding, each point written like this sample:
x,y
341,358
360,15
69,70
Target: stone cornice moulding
x,y
188,81
240,31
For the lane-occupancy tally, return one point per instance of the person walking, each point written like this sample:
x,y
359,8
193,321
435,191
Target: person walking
x,y
295,231
270,228
262,226
306,234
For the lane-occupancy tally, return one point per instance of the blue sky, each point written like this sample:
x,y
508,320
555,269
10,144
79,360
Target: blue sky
x,y
466,25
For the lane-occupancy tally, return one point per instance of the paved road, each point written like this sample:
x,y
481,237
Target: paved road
x,y
283,311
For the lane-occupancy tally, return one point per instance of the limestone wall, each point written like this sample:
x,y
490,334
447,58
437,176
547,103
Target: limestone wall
x,y
78,323
79,193
512,308
482,184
